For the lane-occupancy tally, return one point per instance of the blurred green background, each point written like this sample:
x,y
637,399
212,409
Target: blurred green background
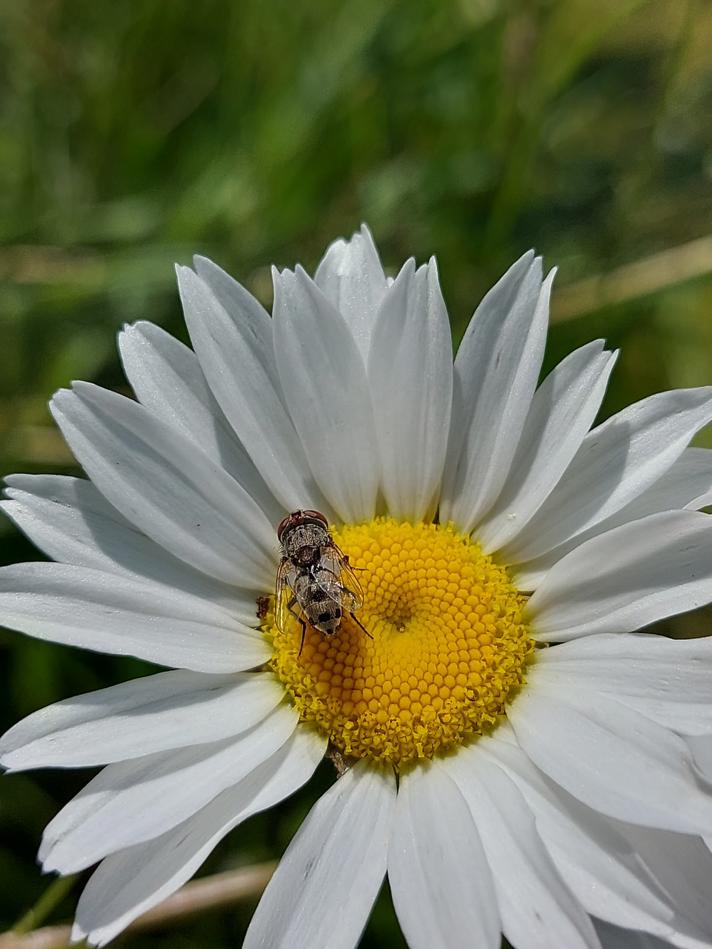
x,y
133,135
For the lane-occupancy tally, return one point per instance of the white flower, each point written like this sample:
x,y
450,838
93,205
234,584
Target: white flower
x,y
503,787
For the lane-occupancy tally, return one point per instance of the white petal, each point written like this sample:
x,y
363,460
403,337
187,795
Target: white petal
x,y
324,381
667,680
167,487
167,379
350,275
685,485
70,521
496,372
141,799
410,372
440,880
238,302
616,462
126,617
625,579
561,413
701,746
683,868
156,713
690,478
537,908
129,883
495,306
614,938
325,885
596,861
232,335
611,757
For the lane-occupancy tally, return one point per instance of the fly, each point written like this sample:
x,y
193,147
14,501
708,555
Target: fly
x,y
315,576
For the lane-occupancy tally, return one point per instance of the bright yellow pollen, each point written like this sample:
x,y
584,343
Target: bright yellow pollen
x,y
448,649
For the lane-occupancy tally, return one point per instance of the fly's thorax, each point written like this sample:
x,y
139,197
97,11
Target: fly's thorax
x,y
303,543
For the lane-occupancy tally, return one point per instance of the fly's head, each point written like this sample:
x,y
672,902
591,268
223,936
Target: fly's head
x,y
302,535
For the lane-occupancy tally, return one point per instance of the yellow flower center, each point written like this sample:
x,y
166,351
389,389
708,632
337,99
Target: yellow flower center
x,y
447,646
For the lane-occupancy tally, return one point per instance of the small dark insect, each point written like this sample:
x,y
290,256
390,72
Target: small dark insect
x,y
262,607
315,576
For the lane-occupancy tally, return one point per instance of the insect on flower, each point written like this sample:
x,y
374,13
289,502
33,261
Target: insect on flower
x,y
315,576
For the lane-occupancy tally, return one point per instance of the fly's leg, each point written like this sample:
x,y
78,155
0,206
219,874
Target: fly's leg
x,y
360,624
298,618
347,563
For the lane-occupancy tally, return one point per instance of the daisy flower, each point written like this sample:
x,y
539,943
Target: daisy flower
x,y
517,756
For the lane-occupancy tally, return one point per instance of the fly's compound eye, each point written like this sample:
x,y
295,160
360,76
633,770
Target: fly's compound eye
x,y
300,517
316,516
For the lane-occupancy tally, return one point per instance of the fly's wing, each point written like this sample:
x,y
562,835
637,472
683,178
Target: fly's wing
x,y
336,578
282,596
351,585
